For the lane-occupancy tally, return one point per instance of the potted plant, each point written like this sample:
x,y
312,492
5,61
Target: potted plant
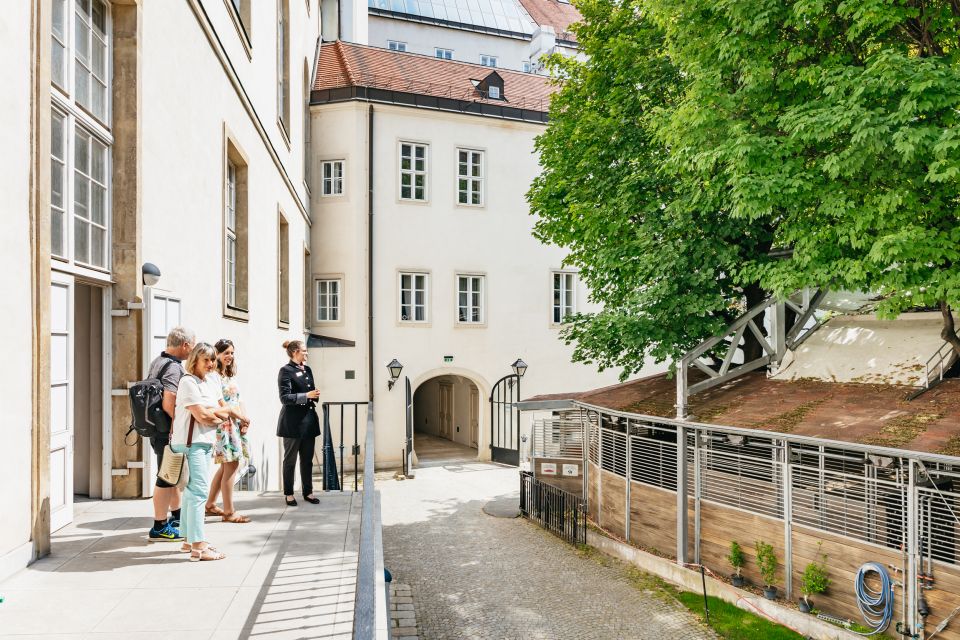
x,y
814,580
767,564
736,560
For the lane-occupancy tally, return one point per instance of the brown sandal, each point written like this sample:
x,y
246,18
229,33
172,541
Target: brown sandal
x,y
235,517
213,511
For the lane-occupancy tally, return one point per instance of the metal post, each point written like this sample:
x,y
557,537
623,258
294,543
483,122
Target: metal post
x,y
600,470
627,474
706,605
910,580
682,518
787,474
682,389
697,484
585,439
341,447
356,446
779,326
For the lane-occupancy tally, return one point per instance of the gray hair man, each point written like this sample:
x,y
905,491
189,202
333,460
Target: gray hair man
x,y
168,368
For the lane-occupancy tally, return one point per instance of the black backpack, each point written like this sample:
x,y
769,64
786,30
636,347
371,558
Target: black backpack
x,y
146,407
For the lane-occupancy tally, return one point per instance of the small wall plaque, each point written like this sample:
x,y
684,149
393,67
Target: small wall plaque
x,y
448,358
349,374
571,470
548,468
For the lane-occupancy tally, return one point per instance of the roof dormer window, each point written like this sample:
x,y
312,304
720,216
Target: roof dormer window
x,y
491,87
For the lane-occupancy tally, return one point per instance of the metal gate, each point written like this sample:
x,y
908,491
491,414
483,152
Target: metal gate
x,y
408,445
505,420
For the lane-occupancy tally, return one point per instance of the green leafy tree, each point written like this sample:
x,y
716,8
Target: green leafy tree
x,y
648,236
834,124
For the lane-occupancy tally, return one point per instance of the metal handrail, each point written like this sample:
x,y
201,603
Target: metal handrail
x,y
940,357
370,607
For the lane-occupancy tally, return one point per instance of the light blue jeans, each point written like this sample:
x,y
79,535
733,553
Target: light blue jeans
x,y
195,493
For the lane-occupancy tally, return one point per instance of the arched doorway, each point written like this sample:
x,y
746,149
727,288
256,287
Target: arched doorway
x,y
446,419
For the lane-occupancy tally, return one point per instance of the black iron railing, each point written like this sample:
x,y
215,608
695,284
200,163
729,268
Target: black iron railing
x,y
340,412
554,509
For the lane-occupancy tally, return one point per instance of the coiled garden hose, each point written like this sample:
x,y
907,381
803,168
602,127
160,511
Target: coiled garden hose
x,y
876,606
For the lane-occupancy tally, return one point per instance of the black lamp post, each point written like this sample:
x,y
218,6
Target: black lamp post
x,y
519,367
394,368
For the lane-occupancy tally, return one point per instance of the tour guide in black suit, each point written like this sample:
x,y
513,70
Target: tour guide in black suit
x,y
298,424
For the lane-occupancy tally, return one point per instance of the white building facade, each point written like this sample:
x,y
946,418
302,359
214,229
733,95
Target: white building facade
x,y
191,157
460,287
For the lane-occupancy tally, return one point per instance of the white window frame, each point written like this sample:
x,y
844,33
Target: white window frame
x,y
413,289
487,60
332,310
413,172
527,66
567,305
90,224
476,288
334,182
75,57
59,166
284,35
78,120
230,230
397,45
443,54
61,40
467,184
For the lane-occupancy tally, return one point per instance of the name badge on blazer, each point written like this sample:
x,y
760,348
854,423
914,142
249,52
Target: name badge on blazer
x,y
299,373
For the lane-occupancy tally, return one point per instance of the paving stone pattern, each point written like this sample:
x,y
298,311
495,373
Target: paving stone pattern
x,y
474,576
403,617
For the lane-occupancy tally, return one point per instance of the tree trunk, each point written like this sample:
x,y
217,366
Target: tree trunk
x,y
949,331
752,349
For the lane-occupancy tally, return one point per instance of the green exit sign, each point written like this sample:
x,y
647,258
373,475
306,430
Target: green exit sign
x,y
448,358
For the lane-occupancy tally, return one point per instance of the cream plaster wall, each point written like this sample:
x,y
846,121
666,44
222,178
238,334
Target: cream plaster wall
x,y
15,378
467,45
443,239
189,105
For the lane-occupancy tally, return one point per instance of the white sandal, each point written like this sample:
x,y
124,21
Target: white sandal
x,y
209,552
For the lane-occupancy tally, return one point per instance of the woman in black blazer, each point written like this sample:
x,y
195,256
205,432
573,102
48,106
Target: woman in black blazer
x,y
298,424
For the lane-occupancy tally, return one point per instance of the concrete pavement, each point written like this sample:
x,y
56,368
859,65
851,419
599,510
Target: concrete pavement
x,y
290,573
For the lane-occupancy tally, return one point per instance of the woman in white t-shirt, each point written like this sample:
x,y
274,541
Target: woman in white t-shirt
x,y
198,412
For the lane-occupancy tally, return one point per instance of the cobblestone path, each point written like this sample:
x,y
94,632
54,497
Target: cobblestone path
x,y
476,576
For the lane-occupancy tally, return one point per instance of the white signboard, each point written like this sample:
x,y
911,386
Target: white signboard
x,y
571,470
548,468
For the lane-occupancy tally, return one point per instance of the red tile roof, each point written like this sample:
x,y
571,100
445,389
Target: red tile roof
x,y
872,414
559,15
343,65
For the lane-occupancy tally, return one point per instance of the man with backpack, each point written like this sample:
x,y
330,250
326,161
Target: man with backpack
x,y
167,368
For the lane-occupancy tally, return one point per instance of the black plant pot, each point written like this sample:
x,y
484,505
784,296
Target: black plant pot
x,y
770,593
804,607
737,581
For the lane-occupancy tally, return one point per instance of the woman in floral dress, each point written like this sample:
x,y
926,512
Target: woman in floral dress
x,y
231,445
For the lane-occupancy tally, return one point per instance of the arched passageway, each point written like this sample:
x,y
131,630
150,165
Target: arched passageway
x,y
446,420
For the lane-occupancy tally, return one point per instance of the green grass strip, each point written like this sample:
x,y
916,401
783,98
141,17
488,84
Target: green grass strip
x,y
733,623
